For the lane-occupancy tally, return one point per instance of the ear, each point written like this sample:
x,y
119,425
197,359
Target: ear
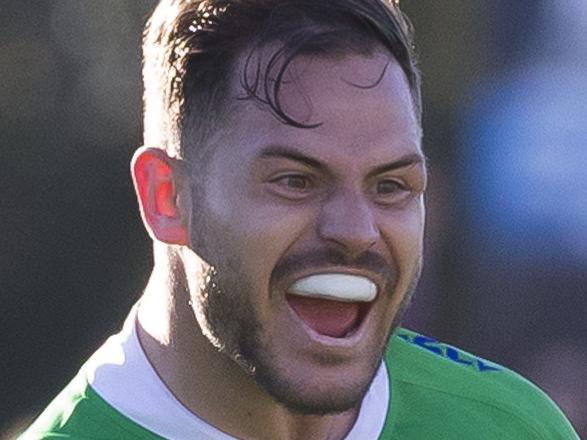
x,y
157,179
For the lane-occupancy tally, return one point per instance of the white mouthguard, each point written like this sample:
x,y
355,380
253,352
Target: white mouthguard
x,y
334,286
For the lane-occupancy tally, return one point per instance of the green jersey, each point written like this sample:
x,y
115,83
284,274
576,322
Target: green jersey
x,y
424,390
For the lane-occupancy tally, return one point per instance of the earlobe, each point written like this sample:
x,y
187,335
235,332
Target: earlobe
x,y
156,178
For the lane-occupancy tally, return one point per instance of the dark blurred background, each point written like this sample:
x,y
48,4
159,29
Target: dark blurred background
x,y
505,87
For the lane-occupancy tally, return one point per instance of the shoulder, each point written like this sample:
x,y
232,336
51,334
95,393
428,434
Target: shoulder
x,y
78,412
456,387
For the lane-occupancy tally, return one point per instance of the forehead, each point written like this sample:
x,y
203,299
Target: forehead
x,y
353,101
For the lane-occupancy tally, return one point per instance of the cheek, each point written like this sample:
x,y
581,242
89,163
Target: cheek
x,y
257,234
403,232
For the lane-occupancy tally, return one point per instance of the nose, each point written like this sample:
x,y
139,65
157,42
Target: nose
x,y
348,220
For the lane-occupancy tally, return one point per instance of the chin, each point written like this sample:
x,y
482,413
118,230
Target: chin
x,y
309,388
314,397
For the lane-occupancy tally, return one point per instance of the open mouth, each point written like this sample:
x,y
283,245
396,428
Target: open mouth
x,y
336,319
332,305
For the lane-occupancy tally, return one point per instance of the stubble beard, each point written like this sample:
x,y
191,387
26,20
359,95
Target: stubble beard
x,y
227,317
229,320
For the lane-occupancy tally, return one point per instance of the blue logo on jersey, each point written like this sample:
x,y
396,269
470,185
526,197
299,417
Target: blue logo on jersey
x,y
448,352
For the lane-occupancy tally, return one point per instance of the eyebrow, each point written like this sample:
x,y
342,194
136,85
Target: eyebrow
x,y
403,162
279,151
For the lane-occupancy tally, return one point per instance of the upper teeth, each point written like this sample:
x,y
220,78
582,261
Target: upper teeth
x,y
340,287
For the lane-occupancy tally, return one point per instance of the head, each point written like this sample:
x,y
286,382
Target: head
x,y
288,145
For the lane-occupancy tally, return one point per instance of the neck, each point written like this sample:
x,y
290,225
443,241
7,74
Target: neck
x,y
209,383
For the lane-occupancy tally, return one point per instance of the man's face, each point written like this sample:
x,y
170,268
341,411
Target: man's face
x,y
281,204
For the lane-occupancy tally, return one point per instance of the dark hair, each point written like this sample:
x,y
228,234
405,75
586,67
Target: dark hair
x,y
190,48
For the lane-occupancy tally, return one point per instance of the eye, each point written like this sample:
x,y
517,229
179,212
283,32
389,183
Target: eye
x,y
292,186
391,192
293,181
389,187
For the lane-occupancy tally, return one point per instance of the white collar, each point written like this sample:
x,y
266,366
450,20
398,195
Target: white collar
x,y
123,376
